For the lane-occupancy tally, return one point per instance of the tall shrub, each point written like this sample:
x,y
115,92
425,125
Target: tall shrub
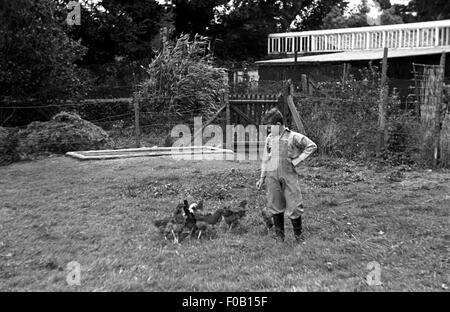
x,y
182,81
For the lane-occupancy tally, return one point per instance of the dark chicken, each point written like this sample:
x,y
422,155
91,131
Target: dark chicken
x,y
205,222
174,225
162,223
231,217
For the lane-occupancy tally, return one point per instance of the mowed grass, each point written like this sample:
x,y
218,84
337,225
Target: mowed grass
x,y
99,213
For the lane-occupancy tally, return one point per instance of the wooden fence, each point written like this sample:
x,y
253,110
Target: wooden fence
x,y
249,109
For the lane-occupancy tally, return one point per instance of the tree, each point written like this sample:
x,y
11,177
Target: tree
x,y
195,16
406,12
384,4
359,18
337,19
123,28
316,15
243,26
431,10
37,58
389,17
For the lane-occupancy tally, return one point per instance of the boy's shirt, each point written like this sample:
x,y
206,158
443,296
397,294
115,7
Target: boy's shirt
x,y
299,147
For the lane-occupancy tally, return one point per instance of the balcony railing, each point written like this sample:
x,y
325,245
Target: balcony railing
x,y
399,36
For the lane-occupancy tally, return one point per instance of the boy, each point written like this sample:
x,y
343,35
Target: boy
x,y
283,152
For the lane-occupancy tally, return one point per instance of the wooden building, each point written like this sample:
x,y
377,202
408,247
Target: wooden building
x,y
321,54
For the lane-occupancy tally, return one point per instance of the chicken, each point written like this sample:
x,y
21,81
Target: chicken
x,y
205,222
210,218
231,217
193,208
174,225
162,223
190,222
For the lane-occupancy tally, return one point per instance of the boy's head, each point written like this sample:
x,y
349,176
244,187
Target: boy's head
x,y
273,117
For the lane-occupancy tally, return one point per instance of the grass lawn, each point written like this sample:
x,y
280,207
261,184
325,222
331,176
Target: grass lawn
x,y
99,213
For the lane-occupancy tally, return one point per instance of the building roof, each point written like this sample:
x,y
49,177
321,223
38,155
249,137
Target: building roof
x,y
348,56
429,24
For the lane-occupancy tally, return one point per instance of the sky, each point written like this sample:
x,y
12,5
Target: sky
x,y
375,10
356,2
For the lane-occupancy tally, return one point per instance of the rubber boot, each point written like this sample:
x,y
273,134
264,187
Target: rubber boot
x,y
297,226
278,222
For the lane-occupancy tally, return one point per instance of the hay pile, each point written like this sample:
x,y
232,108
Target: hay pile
x,y
65,132
8,146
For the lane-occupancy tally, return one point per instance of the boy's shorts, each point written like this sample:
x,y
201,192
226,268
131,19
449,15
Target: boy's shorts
x,y
284,195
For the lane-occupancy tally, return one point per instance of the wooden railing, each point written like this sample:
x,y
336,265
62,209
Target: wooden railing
x,y
399,36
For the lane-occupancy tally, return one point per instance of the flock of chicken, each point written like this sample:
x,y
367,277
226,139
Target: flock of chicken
x,y
187,220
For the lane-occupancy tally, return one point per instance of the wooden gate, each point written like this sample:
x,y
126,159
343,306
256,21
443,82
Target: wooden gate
x,y
249,109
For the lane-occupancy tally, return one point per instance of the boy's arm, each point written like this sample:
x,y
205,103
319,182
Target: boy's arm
x,y
302,141
265,158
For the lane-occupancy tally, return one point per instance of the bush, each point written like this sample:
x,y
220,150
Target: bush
x,y
182,81
8,146
409,141
342,119
65,132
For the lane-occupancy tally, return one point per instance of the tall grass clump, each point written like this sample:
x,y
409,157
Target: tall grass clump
x,y
182,82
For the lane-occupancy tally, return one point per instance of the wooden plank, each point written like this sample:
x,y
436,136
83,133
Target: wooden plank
x,y
304,83
209,121
382,105
438,108
294,113
227,121
258,114
243,115
137,127
246,101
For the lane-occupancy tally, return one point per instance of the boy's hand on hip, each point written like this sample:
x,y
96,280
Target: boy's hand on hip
x,y
260,183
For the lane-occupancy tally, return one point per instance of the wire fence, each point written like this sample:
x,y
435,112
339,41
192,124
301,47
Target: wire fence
x,y
342,124
430,93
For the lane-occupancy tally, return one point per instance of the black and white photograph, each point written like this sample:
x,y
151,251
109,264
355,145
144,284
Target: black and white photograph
x,y
238,149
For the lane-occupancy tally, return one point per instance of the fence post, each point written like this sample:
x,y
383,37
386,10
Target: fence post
x,y
286,93
345,74
304,83
382,104
437,114
137,127
228,133
289,101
